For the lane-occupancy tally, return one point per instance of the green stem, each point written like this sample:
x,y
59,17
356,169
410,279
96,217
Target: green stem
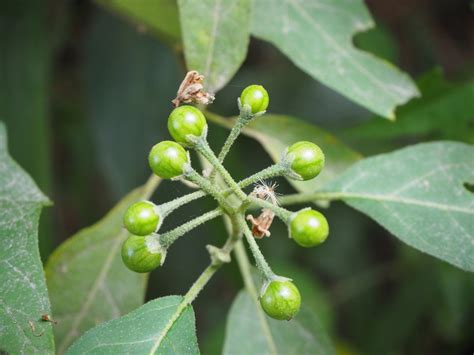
x,y
270,172
260,261
203,147
193,176
303,198
280,212
168,207
194,291
168,238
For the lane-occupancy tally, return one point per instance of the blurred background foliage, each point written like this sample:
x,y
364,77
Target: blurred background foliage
x,y
86,92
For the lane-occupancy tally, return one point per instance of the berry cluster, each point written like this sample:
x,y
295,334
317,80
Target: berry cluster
x,y
145,249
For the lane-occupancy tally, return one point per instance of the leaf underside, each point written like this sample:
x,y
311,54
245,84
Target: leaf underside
x,y
317,37
23,293
141,332
418,193
215,36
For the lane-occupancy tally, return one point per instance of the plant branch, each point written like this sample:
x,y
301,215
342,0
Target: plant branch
x,y
193,176
260,261
168,207
202,147
270,172
168,238
280,212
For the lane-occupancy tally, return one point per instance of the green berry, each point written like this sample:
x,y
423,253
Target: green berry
x,y
141,218
168,159
306,159
184,121
281,300
142,254
256,97
308,228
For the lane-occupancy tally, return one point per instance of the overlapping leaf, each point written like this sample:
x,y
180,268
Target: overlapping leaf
x,y
154,328
23,294
276,133
418,193
161,16
317,35
215,36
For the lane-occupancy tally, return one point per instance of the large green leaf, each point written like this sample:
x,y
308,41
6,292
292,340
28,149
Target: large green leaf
x,y
23,293
215,37
87,280
317,37
431,115
151,329
161,16
418,194
245,333
276,133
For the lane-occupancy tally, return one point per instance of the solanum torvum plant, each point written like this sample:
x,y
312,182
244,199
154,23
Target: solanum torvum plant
x,y
146,247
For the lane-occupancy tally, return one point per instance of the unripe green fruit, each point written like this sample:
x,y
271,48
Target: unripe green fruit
x,y
281,300
308,228
184,121
142,254
168,159
307,159
256,97
141,218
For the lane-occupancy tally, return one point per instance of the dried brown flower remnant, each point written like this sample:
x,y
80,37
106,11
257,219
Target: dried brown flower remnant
x,y
191,90
262,224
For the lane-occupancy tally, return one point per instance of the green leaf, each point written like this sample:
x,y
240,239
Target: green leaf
x,y
317,37
161,16
276,133
23,293
431,115
418,194
151,329
216,37
87,280
245,333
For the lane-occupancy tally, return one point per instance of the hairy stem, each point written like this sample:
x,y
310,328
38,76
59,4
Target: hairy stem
x,y
203,147
280,212
260,261
270,172
168,207
193,176
168,238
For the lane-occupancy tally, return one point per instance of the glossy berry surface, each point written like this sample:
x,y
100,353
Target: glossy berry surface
x,y
141,218
184,121
281,300
256,97
309,228
141,254
167,159
307,159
